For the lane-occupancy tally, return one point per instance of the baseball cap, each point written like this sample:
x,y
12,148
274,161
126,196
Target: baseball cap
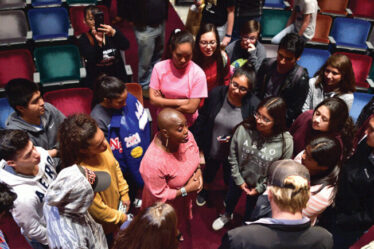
x,y
99,180
281,169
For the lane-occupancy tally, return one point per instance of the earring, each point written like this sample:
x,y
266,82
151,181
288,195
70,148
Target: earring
x,y
167,142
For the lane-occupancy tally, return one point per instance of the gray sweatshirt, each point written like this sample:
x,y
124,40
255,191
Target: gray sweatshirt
x,y
44,136
248,163
235,52
69,225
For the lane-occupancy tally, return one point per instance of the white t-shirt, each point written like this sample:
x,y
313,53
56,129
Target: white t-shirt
x,y
304,7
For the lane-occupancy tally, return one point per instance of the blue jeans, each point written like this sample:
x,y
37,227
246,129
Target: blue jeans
x,y
233,197
35,244
150,49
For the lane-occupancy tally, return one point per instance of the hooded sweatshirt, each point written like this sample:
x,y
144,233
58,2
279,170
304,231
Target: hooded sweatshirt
x,y
30,190
69,225
45,135
249,163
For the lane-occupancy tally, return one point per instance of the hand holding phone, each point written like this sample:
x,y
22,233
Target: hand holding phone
x,y
99,19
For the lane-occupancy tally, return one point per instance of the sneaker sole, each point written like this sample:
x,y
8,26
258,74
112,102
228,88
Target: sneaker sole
x,y
200,204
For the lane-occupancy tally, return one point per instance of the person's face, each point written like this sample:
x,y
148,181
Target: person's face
x,y
332,76
181,55
119,102
370,133
264,122
238,87
89,20
286,61
321,119
311,164
97,144
247,39
178,131
26,160
208,43
35,107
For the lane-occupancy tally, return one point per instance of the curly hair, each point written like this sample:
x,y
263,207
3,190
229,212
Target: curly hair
x,y
154,227
73,136
7,198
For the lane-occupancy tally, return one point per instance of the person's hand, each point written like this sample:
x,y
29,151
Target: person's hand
x,y
252,192
158,93
251,47
107,30
193,184
53,152
226,40
245,188
126,204
199,176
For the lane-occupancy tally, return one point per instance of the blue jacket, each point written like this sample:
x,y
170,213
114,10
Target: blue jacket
x,y
129,137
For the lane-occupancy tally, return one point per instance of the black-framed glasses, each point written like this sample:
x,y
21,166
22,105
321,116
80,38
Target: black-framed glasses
x,y
207,43
237,86
264,119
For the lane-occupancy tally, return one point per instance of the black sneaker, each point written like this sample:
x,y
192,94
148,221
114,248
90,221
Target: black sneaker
x,y
201,198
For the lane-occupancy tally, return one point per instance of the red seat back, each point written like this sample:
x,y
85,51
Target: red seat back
x,y
15,64
337,7
70,101
362,8
361,67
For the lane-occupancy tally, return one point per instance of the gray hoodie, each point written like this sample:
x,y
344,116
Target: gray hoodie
x,y
69,225
44,136
248,163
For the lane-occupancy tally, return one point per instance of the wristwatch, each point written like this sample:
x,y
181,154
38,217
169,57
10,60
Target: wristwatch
x,y
183,191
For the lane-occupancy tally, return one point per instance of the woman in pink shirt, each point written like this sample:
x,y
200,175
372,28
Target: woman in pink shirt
x,y
170,167
322,158
178,82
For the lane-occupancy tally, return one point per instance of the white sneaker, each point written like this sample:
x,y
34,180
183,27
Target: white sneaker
x,y
221,221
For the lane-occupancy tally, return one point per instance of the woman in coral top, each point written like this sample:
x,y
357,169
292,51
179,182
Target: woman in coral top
x,y
170,167
178,82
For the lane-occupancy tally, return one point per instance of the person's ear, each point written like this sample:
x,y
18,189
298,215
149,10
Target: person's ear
x,y
106,101
11,163
298,58
21,109
270,195
164,133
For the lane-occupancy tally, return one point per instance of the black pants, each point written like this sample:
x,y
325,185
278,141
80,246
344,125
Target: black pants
x,y
211,168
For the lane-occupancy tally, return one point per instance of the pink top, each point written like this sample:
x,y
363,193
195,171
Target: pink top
x,y
165,173
187,83
317,202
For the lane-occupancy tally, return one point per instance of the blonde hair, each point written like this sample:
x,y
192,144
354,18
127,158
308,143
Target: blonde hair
x,y
294,196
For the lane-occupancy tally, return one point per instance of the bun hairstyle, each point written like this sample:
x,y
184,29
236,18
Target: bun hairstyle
x,y
177,37
294,197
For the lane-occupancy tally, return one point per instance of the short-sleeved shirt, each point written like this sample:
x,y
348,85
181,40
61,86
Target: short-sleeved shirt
x,y
215,11
187,83
305,7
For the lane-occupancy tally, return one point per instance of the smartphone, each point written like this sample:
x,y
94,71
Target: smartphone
x,y
122,208
223,138
99,19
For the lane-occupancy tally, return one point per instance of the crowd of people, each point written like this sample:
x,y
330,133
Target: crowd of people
x,y
283,140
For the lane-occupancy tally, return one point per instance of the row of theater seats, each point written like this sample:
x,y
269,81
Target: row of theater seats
x,y
356,8
19,4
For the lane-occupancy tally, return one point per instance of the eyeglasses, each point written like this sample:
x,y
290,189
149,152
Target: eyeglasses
x,y
207,43
236,86
264,119
249,38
